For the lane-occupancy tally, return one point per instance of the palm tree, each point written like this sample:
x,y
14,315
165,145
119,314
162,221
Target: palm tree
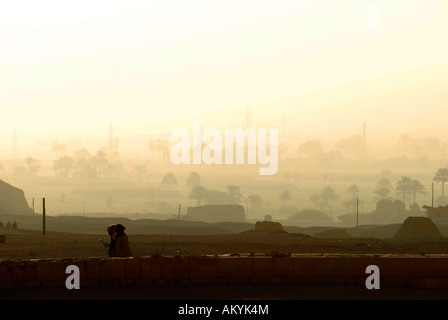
x,y
234,193
254,200
198,193
285,195
328,194
404,187
58,148
416,187
353,190
81,153
383,188
89,172
169,179
194,179
101,164
64,164
317,200
33,165
441,176
324,198
140,171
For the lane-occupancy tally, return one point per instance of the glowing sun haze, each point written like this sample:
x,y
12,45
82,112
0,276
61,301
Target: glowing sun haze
x,y
160,65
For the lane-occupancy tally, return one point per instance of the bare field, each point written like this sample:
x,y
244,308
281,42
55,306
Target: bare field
x,y
23,244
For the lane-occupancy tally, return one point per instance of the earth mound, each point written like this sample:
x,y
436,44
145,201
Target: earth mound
x,y
421,228
269,226
332,234
12,200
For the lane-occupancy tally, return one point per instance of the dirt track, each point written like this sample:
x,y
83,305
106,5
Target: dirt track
x,y
32,245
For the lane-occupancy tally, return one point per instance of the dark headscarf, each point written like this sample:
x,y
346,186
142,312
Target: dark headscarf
x,y
119,228
110,228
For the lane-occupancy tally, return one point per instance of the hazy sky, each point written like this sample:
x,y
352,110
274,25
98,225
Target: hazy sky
x,y
154,66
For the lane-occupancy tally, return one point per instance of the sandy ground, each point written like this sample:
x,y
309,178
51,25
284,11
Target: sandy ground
x,y
22,244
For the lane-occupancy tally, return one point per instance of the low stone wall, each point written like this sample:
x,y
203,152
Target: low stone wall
x,y
420,271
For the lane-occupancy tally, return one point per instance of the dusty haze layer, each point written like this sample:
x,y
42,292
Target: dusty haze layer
x,y
356,90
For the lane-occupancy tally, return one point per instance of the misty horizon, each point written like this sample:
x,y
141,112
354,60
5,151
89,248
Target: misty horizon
x,y
91,94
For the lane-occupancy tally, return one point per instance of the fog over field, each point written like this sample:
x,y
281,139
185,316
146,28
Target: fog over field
x,y
351,97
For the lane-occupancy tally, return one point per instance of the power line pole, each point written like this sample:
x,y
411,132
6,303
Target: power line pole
x,y
432,195
357,212
43,216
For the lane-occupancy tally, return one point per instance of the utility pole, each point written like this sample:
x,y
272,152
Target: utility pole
x,y
357,212
432,196
43,216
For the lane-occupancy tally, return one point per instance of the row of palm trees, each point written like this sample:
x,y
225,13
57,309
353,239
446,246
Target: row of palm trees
x,y
406,188
409,188
442,177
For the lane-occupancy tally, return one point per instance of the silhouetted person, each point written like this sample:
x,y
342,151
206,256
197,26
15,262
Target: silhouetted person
x,y
119,242
14,225
112,240
8,224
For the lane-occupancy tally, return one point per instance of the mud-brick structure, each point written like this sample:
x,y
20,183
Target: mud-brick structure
x,y
439,212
